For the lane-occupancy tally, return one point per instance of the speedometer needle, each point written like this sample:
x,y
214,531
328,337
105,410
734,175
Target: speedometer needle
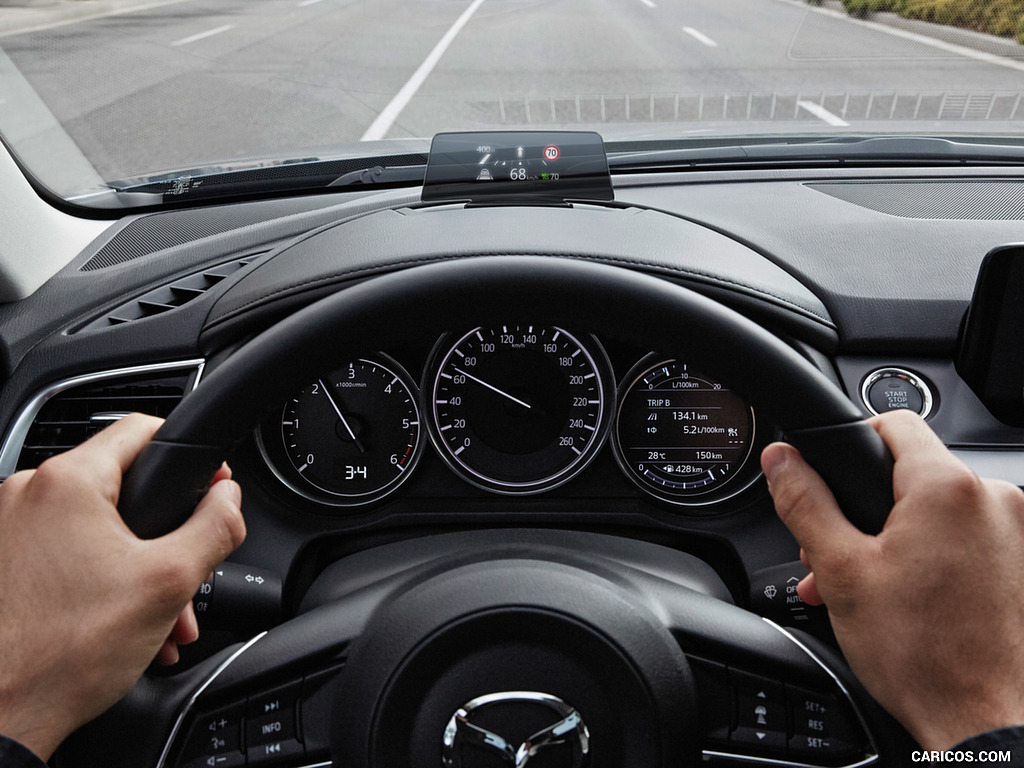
x,y
483,383
344,423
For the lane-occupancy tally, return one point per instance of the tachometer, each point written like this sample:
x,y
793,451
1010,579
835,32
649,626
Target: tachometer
x,y
352,436
682,435
518,408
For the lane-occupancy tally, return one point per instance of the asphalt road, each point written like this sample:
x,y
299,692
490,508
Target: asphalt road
x,y
203,81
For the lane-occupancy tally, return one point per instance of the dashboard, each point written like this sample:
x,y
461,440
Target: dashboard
x,y
492,421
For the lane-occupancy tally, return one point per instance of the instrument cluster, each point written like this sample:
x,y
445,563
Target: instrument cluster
x,y
513,409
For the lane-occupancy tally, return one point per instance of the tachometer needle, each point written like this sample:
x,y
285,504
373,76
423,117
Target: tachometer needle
x,y
344,423
493,388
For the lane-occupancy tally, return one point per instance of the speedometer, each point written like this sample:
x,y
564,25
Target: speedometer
x,y
682,435
518,408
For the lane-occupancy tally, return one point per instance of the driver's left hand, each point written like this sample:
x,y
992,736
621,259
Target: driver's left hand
x,y
85,605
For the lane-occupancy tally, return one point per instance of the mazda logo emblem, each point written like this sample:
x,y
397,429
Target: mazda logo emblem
x,y
461,733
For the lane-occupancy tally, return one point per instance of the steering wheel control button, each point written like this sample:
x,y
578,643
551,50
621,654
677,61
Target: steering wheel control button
x,y
274,702
749,717
271,733
271,728
273,752
821,727
215,740
760,713
894,389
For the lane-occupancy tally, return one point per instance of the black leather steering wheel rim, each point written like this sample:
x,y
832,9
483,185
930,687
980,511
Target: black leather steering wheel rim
x,y
161,488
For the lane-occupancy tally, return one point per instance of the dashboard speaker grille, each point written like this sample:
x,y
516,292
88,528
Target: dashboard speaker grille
x,y
155,232
980,200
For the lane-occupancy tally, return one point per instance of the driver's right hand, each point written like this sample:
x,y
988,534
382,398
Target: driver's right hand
x,y
928,612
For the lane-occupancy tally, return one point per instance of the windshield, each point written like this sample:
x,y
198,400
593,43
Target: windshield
x,y
95,92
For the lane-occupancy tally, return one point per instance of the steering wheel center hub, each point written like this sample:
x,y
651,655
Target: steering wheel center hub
x,y
515,658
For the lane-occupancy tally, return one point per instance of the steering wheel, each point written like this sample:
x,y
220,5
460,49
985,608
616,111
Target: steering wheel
x,y
473,647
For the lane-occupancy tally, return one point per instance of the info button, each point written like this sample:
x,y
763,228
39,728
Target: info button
x,y
273,727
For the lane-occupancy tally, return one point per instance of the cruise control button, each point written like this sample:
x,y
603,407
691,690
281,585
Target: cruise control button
x,y
817,713
822,726
820,750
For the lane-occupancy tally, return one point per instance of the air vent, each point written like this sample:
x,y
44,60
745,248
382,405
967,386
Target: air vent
x,y
171,296
70,412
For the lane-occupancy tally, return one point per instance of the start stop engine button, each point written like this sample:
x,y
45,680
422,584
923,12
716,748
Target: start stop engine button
x,y
893,389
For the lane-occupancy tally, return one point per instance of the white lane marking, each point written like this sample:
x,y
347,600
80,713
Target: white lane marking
x,y
942,45
304,3
203,35
649,3
390,113
822,114
700,36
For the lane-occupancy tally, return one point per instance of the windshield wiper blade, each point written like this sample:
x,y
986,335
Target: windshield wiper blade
x,y
899,150
247,181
